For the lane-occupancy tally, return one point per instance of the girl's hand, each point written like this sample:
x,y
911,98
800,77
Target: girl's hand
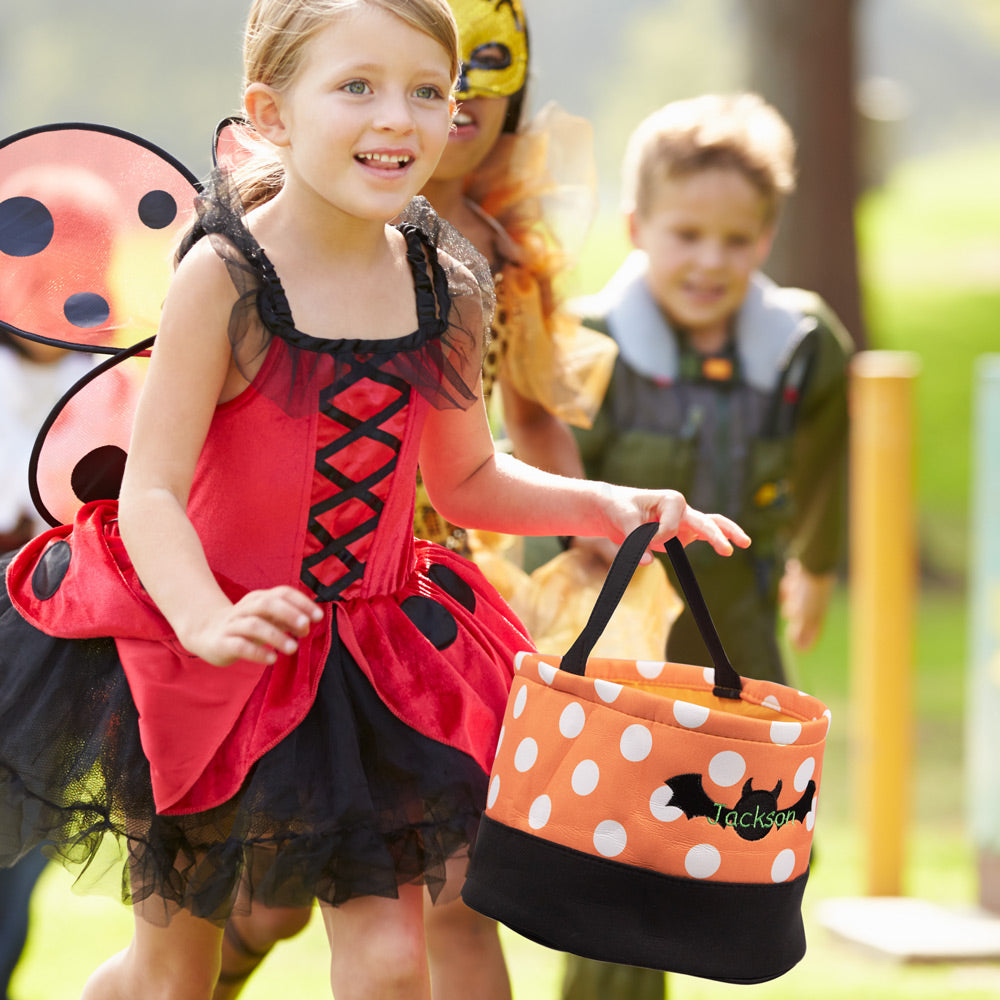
x,y
677,518
260,625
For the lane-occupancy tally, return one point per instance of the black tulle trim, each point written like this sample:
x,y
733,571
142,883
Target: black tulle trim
x,y
440,359
353,802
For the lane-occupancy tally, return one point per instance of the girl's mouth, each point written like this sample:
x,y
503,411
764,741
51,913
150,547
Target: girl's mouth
x,y
385,161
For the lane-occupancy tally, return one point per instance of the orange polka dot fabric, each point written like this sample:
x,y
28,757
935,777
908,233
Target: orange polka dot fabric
x,y
641,763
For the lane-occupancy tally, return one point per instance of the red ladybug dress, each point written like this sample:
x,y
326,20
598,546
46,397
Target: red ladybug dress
x,y
358,764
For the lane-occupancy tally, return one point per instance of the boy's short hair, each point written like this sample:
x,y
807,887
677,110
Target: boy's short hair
x,y
736,131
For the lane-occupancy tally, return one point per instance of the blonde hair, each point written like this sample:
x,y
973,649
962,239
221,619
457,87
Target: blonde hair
x,y
276,34
731,132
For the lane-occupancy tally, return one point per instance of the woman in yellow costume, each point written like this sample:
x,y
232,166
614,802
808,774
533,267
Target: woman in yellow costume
x,y
523,194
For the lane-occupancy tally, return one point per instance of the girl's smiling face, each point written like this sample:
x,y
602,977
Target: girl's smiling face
x,y
705,234
366,117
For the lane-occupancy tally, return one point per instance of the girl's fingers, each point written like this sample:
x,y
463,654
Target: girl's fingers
x,y
245,649
732,531
285,607
303,603
264,633
716,529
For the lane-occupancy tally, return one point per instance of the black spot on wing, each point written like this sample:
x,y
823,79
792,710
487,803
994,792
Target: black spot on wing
x,y
26,227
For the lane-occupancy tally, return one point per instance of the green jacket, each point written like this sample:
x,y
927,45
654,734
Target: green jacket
x,y
759,434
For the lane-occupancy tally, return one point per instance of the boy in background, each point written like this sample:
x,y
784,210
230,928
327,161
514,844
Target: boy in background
x,y
727,388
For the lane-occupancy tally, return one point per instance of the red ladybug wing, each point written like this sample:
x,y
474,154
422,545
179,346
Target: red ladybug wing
x,y
89,219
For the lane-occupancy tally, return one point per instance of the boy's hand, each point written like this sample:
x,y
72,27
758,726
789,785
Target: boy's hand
x,y
804,598
260,625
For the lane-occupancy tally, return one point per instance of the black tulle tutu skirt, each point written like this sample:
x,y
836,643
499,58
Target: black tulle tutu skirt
x,y
353,802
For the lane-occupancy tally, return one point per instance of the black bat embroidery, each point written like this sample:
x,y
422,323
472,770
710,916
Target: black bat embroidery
x,y
753,817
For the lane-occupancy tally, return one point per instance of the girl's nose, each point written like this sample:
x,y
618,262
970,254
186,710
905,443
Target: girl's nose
x,y
394,114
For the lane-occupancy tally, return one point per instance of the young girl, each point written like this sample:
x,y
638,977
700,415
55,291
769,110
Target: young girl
x,y
312,697
493,178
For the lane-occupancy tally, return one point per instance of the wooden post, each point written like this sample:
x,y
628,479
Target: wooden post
x,y
882,595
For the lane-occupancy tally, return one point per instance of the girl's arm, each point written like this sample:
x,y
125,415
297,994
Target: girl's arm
x,y
190,370
473,486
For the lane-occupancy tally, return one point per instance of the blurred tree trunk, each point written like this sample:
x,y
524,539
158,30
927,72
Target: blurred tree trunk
x,y
802,61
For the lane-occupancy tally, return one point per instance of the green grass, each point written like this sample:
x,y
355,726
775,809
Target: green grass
x,y
932,285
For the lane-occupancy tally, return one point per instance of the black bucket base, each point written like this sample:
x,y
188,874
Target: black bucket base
x,y
601,909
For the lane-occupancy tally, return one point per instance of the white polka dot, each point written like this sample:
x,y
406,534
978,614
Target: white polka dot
x,y
519,660
610,838
804,774
547,672
586,775
572,720
503,732
526,755
650,669
785,733
607,691
709,674
636,743
702,861
727,768
810,819
660,807
491,799
771,702
520,701
539,813
690,716
784,865
828,715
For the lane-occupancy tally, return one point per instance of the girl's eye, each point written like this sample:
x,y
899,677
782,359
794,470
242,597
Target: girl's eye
x,y
356,87
427,93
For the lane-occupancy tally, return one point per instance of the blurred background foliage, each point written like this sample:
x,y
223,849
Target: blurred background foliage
x,y
169,71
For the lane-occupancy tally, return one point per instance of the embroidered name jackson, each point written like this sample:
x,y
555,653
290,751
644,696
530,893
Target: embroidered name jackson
x,y
758,819
753,817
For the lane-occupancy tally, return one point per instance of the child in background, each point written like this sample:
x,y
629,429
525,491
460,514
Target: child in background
x,y
497,185
33,376
726,386
297,693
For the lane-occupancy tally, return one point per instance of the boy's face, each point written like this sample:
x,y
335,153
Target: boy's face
x,y
705,235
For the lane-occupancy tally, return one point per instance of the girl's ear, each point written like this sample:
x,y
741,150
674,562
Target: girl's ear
x,y
263,108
